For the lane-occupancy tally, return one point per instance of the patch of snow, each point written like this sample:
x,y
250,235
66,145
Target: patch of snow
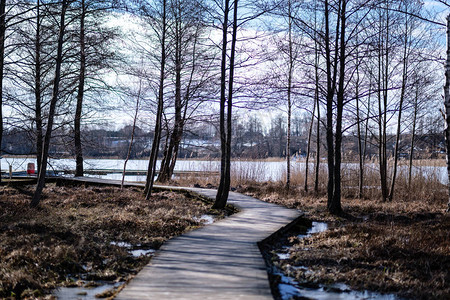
x,y
283,255
317,227
135,253
122,244
205,219
142,252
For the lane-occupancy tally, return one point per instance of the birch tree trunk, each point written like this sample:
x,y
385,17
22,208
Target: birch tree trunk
x,y
447,106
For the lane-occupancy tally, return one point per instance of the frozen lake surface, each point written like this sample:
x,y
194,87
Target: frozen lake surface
x,y
256,170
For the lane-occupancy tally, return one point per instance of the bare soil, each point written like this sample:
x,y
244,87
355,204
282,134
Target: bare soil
x,y
74,232
400,247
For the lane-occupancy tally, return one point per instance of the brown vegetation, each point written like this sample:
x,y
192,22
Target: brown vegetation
x,y
425,182
400,247
71,235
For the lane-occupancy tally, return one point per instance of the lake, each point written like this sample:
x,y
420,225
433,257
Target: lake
x,y
256,170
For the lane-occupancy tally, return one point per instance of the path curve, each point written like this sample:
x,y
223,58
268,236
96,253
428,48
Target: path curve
x,y
218,261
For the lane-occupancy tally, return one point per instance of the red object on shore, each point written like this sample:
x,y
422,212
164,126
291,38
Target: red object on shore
x,y
30,168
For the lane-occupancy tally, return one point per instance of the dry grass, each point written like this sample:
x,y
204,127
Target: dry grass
x,y
401,246
425,182
395,254
69,235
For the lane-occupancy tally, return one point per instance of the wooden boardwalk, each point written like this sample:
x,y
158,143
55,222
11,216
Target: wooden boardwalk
x,y
218,261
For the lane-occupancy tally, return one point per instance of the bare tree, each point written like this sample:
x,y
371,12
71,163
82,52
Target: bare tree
x,y
225,133
291,60
333,188
157,136
317,100
80,94
94,56
405,65
30,69
192,68
59,60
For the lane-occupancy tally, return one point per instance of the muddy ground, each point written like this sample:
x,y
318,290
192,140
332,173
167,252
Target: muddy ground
x,y
76,235
400,247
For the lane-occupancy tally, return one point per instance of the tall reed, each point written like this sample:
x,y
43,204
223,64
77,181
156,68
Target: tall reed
x,y
426,181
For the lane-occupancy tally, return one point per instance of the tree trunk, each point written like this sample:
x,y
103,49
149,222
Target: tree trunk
x,y
335,206
400,109
37,88
366,133
288,139
308,149
133,129
384,186
360,150
358,128
175,136
166,146
227,184
168,156
77,126
447,106
59,58
317,167
316,99
221,199
157,137
187,97
174,158
329,124
413,137
383,67
289,92
2,66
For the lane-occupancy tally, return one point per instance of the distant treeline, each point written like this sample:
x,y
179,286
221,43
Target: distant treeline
x,y
250,140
